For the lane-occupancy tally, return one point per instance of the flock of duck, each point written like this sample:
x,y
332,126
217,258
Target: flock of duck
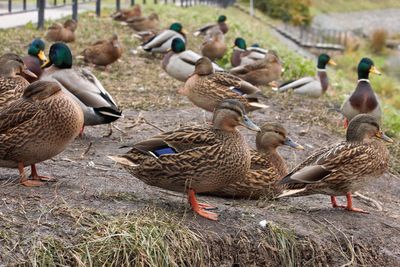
x,y
46,102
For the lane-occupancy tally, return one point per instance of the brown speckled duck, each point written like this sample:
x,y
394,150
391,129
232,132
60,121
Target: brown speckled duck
x,y
214,46
221,25
152,22
343,168
126,14
195,159
363,99
36,127
62,33
267,166
206,88
103,52
12,83
262,71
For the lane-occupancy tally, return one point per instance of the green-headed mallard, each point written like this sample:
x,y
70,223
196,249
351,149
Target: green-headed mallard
x,y
139,24
262,71
62,32
343,168
180,63
161,42
195,159
214,46
103,52
12,83
221,25
243,55
267,166
97,104
36,127
35,58
126,14
311,86
207,89
363,99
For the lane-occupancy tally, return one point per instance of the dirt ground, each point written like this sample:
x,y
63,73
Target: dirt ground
x,y
302,231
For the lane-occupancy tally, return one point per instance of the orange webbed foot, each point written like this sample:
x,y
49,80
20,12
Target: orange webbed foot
x,y
37,177
200,208
206,206
32,183
207,214
356,210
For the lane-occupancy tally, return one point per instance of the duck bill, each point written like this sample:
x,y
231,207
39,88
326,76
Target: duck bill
x,y
384,137
29,73
184,32
331,62
289,142
42,56
46,64
375,70
246,122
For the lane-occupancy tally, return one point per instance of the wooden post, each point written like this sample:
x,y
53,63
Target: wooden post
x,y
132,2
9,6
75,10
98,7
41,4
24,4
118,5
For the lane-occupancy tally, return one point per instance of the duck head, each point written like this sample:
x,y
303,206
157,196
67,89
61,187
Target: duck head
x,y
60,56
273,135
364,127
323,60
365,67
240,43
36,49
221,18
178,45
177,27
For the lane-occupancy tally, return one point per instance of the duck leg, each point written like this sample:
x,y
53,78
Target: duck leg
x,y
345,123
334,203
81,131
37,177
24,180
350,207
199,208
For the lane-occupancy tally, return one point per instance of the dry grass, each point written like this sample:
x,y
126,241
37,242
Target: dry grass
x,y
378,40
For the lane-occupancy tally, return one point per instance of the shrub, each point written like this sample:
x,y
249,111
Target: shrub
x,y
378,40
296,12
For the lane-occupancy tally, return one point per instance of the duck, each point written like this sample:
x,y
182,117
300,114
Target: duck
x,y
12,81
214,47
206,88
195,159
161,43
267,166
363,99
310,86
262,71
180,63
126,14
103,52
36,127
344,167
97,104
139,24
35,58
243,55
62,32
221,25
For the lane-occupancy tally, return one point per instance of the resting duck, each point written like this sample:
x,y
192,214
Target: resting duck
x,y
363,99
12,81
267,166
262,71
35,58
97,104
214,47
103,52
343,168
207,89
126,14
180,63
213,157
221,25
62,33
139,24
310,86
37,127
243,55
161,43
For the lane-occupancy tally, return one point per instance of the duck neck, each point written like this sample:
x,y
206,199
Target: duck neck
x,y
323,78
275,158
363,75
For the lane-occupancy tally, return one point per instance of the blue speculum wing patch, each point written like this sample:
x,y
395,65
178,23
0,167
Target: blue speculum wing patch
x,y
237,91
164,151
